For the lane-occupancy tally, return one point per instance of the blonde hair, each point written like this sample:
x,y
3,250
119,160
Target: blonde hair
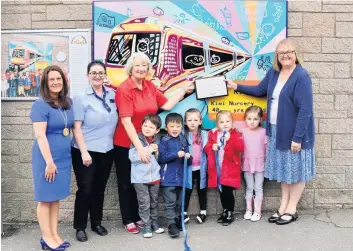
x,y
223,112
130,62
290,43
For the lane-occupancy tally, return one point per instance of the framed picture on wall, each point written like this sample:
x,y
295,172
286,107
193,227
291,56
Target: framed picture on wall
x,y
26,53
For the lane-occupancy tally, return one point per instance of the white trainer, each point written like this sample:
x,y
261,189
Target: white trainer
x,y
159,230
255,217
147,235
247,215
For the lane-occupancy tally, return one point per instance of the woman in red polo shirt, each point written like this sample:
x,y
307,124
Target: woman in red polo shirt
x,y
135,98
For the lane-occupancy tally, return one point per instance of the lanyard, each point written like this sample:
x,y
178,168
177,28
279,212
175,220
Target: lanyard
x,y
105,105
218,165
186,246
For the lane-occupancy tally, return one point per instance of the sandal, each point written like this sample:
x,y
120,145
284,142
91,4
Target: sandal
x,y
274,219
281,221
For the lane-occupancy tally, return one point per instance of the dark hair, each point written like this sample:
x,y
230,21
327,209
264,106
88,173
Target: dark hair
x,y
173,117
154,119
63,100
95,62
186,128
257,109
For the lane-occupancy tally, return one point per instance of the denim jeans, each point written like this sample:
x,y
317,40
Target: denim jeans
x,y
172,203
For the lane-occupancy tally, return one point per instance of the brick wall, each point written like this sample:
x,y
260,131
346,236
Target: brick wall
x,y
323,29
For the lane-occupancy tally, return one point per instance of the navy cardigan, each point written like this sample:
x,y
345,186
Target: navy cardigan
x,y
295,120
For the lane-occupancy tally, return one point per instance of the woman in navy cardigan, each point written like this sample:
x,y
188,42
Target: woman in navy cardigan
x,y
290,157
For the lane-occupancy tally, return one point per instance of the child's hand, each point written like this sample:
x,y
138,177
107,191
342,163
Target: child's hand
x,y
215,147
227,136
153,148
187,155
181,154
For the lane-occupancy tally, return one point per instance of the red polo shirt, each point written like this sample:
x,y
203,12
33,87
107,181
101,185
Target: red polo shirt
x,y
135,103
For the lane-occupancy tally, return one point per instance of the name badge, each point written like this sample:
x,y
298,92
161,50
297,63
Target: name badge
x,y
112,100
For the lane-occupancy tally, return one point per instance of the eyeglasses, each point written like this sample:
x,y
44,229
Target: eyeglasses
x,y
287,53
94,74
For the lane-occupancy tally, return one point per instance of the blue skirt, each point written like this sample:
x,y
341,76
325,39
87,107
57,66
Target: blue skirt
x,y
286,166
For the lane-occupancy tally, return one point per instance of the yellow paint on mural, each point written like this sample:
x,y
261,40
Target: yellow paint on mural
x,y
41,65
251,8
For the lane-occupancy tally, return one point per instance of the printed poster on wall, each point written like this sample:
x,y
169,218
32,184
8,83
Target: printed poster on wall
x,y
30,52
190,40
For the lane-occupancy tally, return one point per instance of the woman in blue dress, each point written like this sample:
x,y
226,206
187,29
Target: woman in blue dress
x,y
52,118
290,156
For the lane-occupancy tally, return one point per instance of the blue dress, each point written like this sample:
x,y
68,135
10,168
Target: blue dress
x,y
60,148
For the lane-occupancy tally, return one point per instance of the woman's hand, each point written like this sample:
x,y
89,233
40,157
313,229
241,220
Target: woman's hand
x,y
295,147
189,87
86,158
50,172
144,155
231,85
215,147
187,155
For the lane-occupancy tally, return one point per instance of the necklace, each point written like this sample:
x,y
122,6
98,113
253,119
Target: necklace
x,y
66,131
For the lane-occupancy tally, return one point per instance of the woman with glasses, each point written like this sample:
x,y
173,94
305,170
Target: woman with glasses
x,y
136,97
92,149
290,157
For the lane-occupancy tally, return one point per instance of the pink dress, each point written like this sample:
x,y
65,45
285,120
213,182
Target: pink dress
x,y
255,147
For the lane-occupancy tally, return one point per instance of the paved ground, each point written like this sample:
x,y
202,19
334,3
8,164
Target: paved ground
x,y
321,231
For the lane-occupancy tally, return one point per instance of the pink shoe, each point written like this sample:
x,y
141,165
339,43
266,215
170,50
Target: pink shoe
x,y
139,224
132,228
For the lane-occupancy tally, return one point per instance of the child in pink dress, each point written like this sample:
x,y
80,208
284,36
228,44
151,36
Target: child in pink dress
x,y
254,161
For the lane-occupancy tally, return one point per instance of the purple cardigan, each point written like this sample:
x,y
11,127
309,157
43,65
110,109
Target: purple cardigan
x,y
295,120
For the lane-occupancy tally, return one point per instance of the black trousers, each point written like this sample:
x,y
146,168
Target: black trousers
x,y
202,193
227,198
91,182
127,193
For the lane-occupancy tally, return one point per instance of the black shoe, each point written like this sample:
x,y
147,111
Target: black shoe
x,y
179,224
223,215
173,230
201,218
229,219
81,235
274,219
100,230
281,221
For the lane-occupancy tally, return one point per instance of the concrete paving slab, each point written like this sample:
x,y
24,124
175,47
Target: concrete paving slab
x,y
341,218
307,234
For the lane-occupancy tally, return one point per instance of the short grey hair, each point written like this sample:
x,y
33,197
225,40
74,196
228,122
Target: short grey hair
x,y
130,62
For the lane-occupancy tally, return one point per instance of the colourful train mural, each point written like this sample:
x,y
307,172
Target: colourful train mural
x,y
29,56
187,40
23,57
176,55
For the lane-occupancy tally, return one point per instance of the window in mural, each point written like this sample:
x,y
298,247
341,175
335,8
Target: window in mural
x,y
217,57
193,57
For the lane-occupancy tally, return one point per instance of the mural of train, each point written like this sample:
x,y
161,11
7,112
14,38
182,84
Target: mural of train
x,y
177,55
23,57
